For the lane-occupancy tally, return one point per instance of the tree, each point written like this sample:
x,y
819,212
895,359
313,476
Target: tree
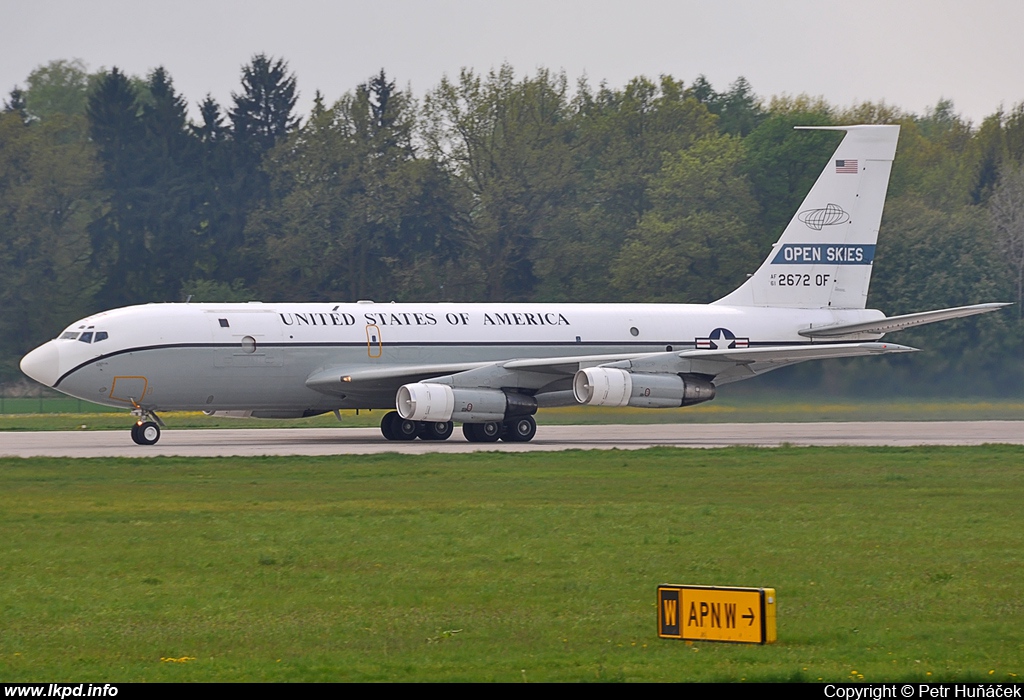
x,y
1006,213
261,118
738,110
15,103
212,129
59,87
262,113
783,164
118,237
352,212
934,259
147,241
694,243
48,194
509,144
620,144
171,192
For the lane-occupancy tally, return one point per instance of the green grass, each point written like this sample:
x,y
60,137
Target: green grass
x,y
890,564
727,409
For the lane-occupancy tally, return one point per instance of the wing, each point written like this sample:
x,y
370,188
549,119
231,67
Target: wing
x,y
529,374
550,375
732,365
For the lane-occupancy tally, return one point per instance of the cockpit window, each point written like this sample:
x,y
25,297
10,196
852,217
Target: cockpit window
x,y
70,335
100,335
85,337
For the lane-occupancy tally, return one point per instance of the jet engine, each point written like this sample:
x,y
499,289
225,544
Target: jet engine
x,y
604,386
439,402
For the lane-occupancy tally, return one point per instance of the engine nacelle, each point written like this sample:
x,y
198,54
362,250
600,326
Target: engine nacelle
x,y
600,386
604,386
440,402
429,402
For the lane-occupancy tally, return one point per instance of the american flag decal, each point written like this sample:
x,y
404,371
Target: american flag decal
x,y
846,166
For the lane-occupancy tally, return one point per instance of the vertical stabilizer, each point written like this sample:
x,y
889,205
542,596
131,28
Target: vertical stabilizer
x,y
824,257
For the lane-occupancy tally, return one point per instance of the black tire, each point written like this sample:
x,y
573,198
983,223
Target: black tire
x,y
146,434
404,429
520,429
387,425
482,432
436,431
135,433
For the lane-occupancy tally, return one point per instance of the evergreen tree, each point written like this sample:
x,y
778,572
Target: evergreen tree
x,y
261,117
353,212
171,190
118,236
212,129
16,103
262,113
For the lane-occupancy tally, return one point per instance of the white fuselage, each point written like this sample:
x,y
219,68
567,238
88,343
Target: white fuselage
x,y
258,356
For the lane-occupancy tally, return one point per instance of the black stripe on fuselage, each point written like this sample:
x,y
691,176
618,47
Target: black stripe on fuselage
x,y
680,346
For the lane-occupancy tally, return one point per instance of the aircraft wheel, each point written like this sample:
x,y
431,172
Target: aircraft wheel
x,y
436,431
387,425
146,434
520,429
403,429
482,432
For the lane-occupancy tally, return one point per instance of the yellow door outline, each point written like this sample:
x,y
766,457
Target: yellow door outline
x,y
373,341
129,399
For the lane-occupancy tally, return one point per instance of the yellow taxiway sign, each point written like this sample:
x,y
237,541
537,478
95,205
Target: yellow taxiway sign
x,y
716,613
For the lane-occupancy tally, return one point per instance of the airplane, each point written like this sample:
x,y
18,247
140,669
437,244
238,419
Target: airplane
x,y
490,367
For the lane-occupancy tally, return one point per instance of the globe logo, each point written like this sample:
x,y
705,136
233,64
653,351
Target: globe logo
x,y
829,215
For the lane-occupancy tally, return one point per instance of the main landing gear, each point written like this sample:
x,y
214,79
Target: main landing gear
x,y
521,429
146,430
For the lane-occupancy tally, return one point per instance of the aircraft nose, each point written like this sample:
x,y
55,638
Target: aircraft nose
x,y
43,364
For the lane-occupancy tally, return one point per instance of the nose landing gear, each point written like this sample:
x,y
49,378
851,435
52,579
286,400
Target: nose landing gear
x,y
146,430
145,433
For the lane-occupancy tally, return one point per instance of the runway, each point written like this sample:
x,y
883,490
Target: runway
x,y
346,441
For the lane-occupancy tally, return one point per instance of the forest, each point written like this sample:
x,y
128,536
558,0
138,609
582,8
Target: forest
x,y
491,186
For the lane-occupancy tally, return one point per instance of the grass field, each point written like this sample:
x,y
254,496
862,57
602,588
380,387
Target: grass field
x,y
727,409
889,564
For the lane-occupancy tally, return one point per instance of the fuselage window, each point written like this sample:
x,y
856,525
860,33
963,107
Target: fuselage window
x,y
100,335
70,335
223,322
85,337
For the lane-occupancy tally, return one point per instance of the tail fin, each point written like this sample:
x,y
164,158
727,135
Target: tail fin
x,y
824,257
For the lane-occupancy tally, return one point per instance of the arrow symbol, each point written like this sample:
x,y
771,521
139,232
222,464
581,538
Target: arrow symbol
x,y
750,616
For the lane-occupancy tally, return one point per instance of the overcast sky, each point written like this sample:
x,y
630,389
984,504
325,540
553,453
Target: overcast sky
x,y
908,53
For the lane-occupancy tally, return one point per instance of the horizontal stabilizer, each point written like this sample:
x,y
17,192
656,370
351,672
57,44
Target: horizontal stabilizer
x,y
898,323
